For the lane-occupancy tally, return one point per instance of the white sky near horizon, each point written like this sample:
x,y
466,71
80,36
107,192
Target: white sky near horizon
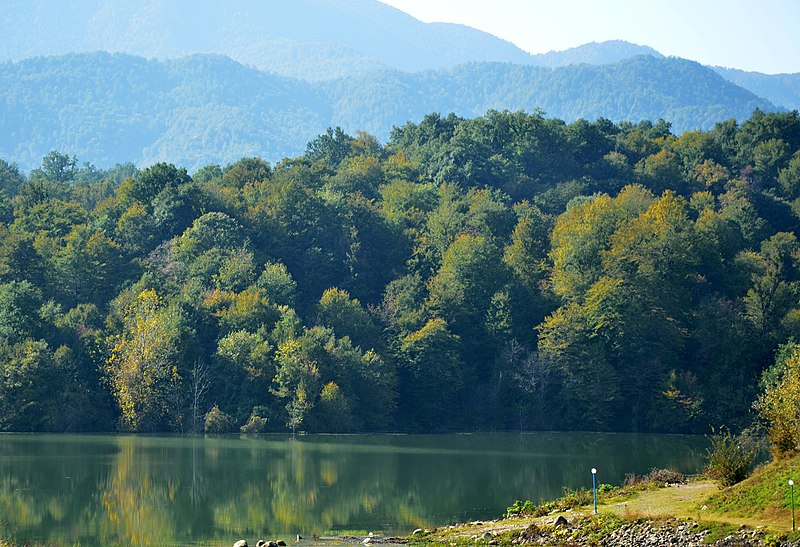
x,y
762,35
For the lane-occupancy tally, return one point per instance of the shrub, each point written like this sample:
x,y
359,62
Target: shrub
x,y
570,500
217,421
730,458
520,509
655,476
256,424
665,475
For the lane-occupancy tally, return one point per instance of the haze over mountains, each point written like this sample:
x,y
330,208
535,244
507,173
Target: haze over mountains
x,y
213,81
307,39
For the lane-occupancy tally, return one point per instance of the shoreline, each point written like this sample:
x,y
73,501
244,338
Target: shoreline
x,y
650,515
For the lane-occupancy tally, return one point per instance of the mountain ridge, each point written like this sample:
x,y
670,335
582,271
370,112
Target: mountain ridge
x,y
367,33
594,53
203,109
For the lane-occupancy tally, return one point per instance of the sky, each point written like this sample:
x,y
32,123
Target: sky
x,y
756,35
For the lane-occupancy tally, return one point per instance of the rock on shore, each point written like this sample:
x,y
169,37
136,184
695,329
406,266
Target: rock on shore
x,y
643,534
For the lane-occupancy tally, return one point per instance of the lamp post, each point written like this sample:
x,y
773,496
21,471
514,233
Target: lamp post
x,y
791,485
594,488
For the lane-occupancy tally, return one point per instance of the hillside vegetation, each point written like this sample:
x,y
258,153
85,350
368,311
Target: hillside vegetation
x,y
507,271
113,108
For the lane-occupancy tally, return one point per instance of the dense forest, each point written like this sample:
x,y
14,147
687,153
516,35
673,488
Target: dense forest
x,y
508,271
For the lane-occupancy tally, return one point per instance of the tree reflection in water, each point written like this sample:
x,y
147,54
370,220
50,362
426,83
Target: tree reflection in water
x,y
101,490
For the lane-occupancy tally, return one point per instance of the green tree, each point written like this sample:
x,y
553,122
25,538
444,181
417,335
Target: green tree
x,y
333,410
11,179
297,408
661,171
19,311
582,234
431,378
789,177
330,148
58,167
774,273
89,254
246,171
248,310
242,372
27,375
278,283
153,180
347,317
526,255
298,377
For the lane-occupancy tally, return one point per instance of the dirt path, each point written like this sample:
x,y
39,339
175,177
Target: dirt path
x,y
683,501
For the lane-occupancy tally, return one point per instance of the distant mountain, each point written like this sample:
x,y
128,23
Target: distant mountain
x,y
110,108
307,39
783,90
780,89
594,53
685,93
113,107
313,40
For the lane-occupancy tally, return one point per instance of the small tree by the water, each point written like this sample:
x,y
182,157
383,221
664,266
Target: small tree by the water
x,y
730,458
297,408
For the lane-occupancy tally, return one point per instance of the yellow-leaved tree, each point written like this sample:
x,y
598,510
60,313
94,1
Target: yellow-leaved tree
x,y
779,403
143,367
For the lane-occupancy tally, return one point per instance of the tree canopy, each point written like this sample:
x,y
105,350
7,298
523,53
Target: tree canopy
x,y
507,271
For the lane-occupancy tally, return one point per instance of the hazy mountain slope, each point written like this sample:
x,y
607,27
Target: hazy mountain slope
x,y
201,109
781,89
313,39
594,53
686,93
117,107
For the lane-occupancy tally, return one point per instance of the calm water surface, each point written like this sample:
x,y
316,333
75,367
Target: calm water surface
x,y
108,490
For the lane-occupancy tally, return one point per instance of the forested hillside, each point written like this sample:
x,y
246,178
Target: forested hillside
x,y
780,89
507,271
113,108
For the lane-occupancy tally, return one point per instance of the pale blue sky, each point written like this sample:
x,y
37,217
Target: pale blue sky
x,y
761,35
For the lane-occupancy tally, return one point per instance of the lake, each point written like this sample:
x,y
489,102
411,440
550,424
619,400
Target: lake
x,y
161,490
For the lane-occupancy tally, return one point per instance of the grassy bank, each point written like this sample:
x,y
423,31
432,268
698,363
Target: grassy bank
x,y
698,511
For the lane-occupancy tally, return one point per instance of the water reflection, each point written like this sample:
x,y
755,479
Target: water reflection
x,y
106,490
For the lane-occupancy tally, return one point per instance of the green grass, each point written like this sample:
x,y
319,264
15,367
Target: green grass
x,y
765,494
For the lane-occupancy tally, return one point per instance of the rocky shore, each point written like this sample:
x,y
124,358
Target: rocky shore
x,y
585,531
644,534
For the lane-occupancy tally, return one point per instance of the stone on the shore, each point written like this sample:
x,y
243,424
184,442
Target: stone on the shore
x,y
487,535
240,543
261,543
560,522
367,541
417,532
